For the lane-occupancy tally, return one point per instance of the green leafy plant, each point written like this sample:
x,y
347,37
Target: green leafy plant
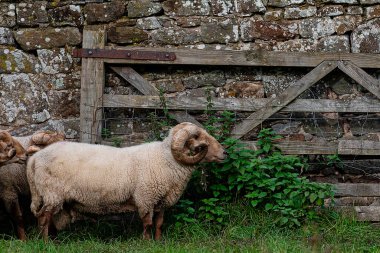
x,y
333,161
159,126
106,133
116,141
264,179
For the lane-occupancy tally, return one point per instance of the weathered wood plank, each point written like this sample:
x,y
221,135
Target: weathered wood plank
x,y
360,76
277,103
357,190
252,58
146,88
241,104
92,85
362,213
368,213
136,80
354,201
325,148
359,147
301,147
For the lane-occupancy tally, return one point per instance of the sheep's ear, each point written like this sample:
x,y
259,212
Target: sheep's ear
x,y
20,151
33,149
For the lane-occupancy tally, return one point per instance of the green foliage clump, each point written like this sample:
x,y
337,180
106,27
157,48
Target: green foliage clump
x,y
264,179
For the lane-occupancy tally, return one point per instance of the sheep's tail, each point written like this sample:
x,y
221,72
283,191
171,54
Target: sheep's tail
x,y
36,198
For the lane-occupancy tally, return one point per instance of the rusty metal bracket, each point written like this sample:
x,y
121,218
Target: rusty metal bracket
x,y
124,54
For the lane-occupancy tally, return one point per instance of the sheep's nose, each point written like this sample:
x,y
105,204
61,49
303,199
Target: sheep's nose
x,y
225,153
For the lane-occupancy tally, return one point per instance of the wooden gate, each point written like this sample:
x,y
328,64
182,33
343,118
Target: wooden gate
x,y
96,54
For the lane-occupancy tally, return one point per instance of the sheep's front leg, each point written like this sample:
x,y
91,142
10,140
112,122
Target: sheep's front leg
x,y
159,220
147,225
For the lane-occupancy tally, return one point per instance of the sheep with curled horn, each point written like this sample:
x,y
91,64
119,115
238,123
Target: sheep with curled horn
x,y
97,179
9,147
13,181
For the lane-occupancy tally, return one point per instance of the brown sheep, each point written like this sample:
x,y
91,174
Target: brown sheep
x,y
13,181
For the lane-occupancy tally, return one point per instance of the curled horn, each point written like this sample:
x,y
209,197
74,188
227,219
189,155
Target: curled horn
x,y
46,138
10,147
185,146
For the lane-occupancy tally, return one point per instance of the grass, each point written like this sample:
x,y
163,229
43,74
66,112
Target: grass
x,y
248,230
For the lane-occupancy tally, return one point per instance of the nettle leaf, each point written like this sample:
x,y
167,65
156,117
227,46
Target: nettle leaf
x,y
268,206
262,195
313,197
254,203
266,147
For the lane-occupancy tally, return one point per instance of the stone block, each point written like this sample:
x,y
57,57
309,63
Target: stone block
x,y
219,31
188,21
316,27
214,78
273,15
296,45
221,7
70,127
66,15
300,12
14,60
283,3
126,35
369,1
64,81
372,12
169,85
354,10
54,61
7,14
149,23
249,7
31,13
334,44
176,36
64,104
103,12
366,37
341,1
332,10
30,38
22,100
268,30
346,23
6,36
187,8
143,8
242,89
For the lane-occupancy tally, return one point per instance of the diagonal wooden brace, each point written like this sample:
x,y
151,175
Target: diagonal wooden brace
x,y
361,77
276,104
146,88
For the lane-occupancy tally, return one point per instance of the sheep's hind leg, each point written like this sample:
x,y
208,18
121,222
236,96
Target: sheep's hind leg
x,y
45,222
14,210
147,224
159,220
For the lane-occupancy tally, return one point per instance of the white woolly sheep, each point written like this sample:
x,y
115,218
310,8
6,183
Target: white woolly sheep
x,y
13,181
97,179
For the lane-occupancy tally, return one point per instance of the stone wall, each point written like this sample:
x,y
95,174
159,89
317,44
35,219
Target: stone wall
x,y
40,80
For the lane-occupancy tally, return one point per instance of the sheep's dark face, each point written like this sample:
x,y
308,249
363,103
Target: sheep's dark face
x,y
215,151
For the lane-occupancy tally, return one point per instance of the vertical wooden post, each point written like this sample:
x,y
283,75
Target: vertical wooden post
x,y
92,88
